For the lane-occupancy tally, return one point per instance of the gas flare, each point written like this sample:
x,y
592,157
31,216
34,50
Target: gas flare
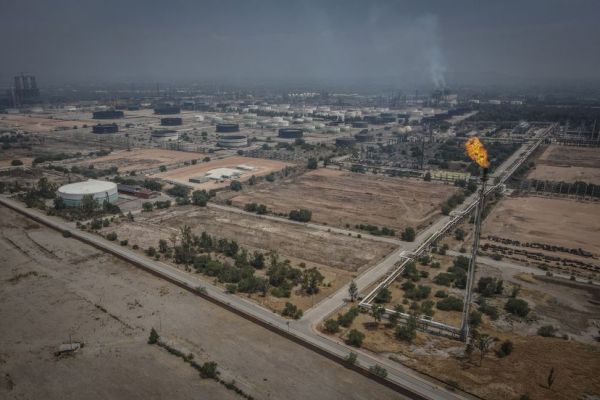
x,y
477,152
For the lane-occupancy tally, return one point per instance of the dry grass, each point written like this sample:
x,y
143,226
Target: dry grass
x,y
339,198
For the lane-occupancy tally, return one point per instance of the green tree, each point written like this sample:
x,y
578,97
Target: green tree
x,y
200,198
311,279
427,176
147,206
482,342
377,311
163,247
332,326
353,291
236,186
209,370
378,371
517,307
312,163
383,296
407,332
355,338
409,234
88,204
153,338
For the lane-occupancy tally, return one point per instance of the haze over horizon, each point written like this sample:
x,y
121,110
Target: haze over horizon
x,y
400,43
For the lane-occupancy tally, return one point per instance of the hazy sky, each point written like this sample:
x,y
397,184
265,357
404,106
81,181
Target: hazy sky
x,y
400,42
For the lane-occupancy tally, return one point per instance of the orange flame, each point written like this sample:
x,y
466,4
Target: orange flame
x,y
477,152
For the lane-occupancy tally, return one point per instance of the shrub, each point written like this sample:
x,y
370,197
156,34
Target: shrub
x,y
124,242
15,163
351,358
475,318
517,307
450,303
408,331
489,286
355,338
301,215
505,349
347,318
111,236
236,186
409,234
378,371
441,294
153,338
489,310
547,331
444,279
332,326
384,296
66,234
208,370
292,311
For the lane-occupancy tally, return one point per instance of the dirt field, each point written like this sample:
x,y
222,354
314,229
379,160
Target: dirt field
x,y
55,287
338,198
39,123
182,175
558,222
141,159
338,260
568,164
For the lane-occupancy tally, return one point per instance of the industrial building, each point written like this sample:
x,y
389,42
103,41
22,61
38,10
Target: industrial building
x,y
171,121
364,136
136,191
164,135
225,128
105,128
360,124
167,110
290,133
108,114
101,191
24,90
232,141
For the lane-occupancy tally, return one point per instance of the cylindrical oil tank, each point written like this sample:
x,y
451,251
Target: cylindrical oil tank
x,y
290,133
225,128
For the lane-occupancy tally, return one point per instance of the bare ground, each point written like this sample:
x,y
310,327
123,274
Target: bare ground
x,y
53,287
568,164
338,198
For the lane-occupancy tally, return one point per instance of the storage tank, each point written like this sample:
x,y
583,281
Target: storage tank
x,y
224,128
108,114
73,193
290,133
232,141
360,124
166,110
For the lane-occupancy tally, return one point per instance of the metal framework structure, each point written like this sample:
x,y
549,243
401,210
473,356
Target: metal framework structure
x,y
498,184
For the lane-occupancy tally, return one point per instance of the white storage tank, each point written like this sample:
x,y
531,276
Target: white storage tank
x,y
73,193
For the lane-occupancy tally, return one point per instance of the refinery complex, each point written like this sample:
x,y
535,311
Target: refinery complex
x,y
306,202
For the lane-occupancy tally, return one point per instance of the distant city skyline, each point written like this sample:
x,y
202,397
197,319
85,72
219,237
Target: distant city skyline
x,y
398,43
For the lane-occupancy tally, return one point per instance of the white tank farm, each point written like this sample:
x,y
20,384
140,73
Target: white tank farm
x,y
73,193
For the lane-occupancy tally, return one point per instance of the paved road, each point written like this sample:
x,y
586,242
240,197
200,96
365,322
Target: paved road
x,y
398,374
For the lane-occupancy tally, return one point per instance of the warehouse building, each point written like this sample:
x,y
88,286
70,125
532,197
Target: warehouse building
x,y
105,128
